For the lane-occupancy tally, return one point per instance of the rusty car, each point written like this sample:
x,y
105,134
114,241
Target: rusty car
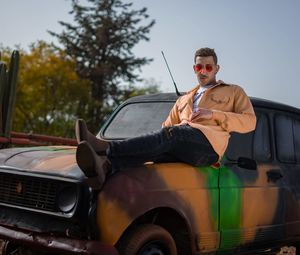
x,y
249,203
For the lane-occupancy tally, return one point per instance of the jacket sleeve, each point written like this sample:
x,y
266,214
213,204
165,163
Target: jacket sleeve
x,y
173,117
242,119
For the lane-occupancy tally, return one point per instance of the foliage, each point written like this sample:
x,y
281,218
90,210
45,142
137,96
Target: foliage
x,y
49,93
100,41
51,96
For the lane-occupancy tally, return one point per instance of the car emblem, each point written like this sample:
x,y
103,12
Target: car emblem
x,y
19,187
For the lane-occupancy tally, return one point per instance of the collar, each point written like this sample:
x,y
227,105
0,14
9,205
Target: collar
x,y
195,89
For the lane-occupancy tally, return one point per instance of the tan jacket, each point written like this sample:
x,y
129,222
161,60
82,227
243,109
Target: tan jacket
x,y
232,111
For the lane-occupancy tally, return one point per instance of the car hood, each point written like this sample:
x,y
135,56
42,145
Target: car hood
x,y
53,160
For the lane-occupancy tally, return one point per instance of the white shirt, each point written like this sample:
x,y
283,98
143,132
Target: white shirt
x,y
198,95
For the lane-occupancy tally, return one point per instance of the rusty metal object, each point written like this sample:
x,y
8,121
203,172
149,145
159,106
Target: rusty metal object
x,y
19,141
36,140
45,138
59,245
10,92
229,207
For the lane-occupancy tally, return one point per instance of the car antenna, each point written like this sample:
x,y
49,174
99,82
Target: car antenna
x,y
177,92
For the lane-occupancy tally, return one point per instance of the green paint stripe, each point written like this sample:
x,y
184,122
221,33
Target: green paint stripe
x,y
212,178
230,208
225,204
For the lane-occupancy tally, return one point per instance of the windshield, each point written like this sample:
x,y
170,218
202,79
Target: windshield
x,y
137,119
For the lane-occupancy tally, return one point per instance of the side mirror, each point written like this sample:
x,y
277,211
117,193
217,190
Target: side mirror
x,y
247,163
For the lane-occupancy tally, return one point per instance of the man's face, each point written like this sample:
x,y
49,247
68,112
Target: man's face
x,y
206,70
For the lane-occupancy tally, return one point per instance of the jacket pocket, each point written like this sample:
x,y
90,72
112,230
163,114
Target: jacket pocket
x,y
219,99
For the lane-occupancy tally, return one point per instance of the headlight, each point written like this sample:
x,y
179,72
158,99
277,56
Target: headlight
x,y
67,198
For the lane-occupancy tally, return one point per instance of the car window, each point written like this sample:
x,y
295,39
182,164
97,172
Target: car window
x,y
296,129
240,145
137,119
287,130
261,142
255,145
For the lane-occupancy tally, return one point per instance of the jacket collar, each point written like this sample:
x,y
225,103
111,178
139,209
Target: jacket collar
x,y
195,89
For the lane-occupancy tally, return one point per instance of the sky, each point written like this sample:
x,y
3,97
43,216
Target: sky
x,y
257,41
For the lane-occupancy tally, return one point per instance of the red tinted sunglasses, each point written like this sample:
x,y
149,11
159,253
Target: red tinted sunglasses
x,y
199,67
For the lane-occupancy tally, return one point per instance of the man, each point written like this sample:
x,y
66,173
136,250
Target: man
x,y
196,131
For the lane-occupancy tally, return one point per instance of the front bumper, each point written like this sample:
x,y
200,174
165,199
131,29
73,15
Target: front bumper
x,y
59,245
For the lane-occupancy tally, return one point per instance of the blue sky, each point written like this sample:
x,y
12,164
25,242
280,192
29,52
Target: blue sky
x,y
257,41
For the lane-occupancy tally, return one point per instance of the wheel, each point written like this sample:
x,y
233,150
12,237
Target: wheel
x,y
147,239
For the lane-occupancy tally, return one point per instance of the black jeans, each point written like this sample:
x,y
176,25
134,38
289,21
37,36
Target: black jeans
x,y
176,143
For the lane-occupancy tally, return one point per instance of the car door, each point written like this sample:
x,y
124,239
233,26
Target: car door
x,y
287,141
251,200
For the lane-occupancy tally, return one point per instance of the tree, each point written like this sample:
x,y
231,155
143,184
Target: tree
x,y
50,95
101,43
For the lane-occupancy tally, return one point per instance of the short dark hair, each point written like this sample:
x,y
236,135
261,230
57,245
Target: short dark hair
x,y
206,52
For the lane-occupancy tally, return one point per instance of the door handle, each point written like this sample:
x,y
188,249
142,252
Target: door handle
x,y
274,175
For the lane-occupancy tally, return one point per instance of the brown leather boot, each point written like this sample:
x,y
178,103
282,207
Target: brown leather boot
x,y
94,167
83,134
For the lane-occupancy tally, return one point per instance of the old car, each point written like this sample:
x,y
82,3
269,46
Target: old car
x,y
249,203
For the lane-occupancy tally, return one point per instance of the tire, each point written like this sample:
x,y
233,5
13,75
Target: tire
x,y
147,239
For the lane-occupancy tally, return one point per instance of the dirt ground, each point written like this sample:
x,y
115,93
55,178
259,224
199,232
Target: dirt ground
x,y
287,250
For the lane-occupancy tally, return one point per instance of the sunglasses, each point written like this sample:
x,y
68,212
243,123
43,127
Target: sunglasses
x,y
199,67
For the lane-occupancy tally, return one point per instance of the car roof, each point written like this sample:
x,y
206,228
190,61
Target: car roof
x,y
172,97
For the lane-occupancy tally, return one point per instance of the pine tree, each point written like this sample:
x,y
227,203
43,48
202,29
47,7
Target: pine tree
x,y
101,41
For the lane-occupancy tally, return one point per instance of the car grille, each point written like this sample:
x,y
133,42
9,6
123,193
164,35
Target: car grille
x,y
29,192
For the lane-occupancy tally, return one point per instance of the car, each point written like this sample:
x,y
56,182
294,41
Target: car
x,y
247,204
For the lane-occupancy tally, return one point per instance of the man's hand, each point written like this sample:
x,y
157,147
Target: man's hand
x,y
201,113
